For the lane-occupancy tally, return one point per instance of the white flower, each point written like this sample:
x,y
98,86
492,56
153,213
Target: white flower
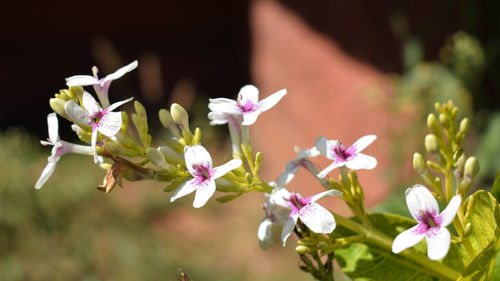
x,y
247,104
199,165
273,216
101,86
60,148
233,121
91,114
431,225
292,167
351,157
313,215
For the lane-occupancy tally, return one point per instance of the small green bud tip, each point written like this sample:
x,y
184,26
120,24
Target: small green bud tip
x,y
471,167
431,143
467,229
464,125
139,108
460,162
418,162
443,119
301,249
433,124
323,245
180,116
57,105
76,91
197,135
258,159
165,117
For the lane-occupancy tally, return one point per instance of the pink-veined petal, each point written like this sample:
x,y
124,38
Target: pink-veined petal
x,y
196,155
90,104
248,93
278,196
317,218
110,123
330,168
363,142
407,239
328,193
264,233
46,173
288,227
121,71
250,117
203,192
451,210
361,161
326,147
438,243
117,104
81,80
224,105
53,127
225,168
419,199
77,114
93,142
184,189
271,100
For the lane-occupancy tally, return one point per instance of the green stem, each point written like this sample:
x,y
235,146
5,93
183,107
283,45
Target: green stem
x,y
371,235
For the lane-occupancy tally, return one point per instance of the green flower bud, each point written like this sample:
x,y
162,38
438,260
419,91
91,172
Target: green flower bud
x,y
75,91
467,229
444,120
322,245
431,143
471,167
57,105
463,131
248,178
180,116
433,125
165,117
301,249
258,160
171,155
157,158
418,163
197,136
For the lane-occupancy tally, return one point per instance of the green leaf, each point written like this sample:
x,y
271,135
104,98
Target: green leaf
x,y
227,198
495,189
482,266
371,262
495,275
140,120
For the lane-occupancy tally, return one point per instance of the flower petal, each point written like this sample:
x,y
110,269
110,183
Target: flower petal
x,y
81,80
248,93
330,168
250,117
438,243
110,123
308,153
448,214
407,239
203,193
326,147
419,199
328,193
121,71
271,100
288,227
77,114
93,142
46,173
363,142
184,189
223,105
217,118
90,104
196,155
291,169
225,168
264,233
317,218
117,104
278,196
361,161
53,127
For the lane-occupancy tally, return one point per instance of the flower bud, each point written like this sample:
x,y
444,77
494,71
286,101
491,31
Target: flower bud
x,y
171,155
471,167
322,245
444,120
76,91
197,136
157,158
57,104
301,249
467,229
114,147
433,125
463,131
258,159
431,143
165,117
418,163
180,116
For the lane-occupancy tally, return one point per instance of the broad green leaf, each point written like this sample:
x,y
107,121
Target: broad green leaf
x,y
482,266
495,189
495,275
371,262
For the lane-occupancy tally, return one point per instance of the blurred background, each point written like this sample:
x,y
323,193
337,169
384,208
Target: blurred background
x,y
350,68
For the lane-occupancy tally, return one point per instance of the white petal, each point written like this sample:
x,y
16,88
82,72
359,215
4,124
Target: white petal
x,y
53,127
278,196
363,142
361,161
121,71
196,155
291,169
317,218
250,117
223,105
419,199
93,142
110,123
330,168
225,168
248,93
288,228
81,80
117,104
77,114
76,148
271,100
326,147
448,214
308,153
217,118
438,243
203,193
184,189
328,193
46,173
264,233
90,104
407,239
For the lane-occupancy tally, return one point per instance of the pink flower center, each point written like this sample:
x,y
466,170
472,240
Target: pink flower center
x,y
342,154
249,106
429,221
202,173
96,117
297,202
